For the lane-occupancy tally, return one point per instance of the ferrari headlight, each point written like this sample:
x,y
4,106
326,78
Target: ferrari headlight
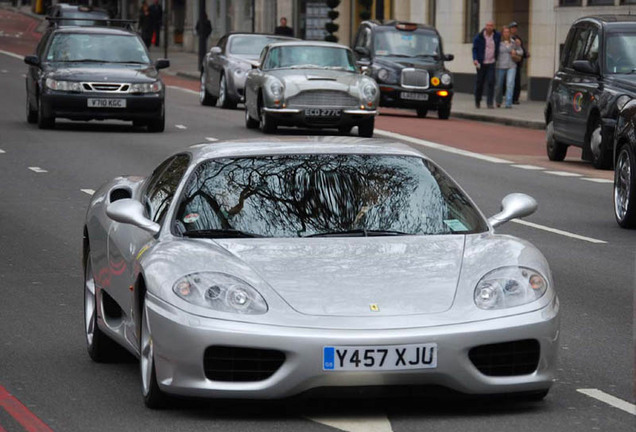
x,y
369,91
446,79
221,292
622,101
152,87
276,88
509,287
71,86
383,74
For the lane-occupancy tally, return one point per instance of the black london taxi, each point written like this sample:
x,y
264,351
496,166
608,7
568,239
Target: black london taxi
x,y
94,73
407,61
596,78
625,166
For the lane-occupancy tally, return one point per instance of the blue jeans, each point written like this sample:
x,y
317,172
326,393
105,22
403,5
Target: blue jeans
x,y
509,76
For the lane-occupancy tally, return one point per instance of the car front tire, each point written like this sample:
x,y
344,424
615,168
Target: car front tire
x,y
225,101
205,98
421,112
154,398
443,112
44,122
601,156
555,149
31,114
158,124
250,123
266,123
625,187
365,129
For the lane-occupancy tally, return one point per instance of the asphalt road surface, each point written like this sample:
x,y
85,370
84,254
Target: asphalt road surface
x,y
48,382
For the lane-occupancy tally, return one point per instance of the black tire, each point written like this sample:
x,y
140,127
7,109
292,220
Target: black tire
x,y
31,114
250,123
43,121
205,98
421,112
154,398
159,124
99,346
556,150
598,145
265,122
443,112
225,100
139,123
365,129
625,187
344,130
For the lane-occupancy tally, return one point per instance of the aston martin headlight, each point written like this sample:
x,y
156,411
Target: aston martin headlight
x,y
276,88
369,91
509,287
71,86
221,292
446,79
152,87
383,74
622,101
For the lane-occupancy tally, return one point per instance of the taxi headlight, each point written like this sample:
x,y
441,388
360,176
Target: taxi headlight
x,y
369,92
220,292
276,88
383,74
152,87
508,287
70,86
446,79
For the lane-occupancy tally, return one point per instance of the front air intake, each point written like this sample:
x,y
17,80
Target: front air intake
x,y
506,359
238,364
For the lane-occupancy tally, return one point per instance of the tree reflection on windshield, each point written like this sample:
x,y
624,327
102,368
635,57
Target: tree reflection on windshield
x,y
303,195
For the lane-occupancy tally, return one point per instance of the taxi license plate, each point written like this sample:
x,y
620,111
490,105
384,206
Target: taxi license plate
x,y
106,103
390,357
414,96
322,112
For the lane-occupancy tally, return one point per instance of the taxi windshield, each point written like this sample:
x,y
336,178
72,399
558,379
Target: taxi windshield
x,y
323,195
304,56
85,47
394,42
620,53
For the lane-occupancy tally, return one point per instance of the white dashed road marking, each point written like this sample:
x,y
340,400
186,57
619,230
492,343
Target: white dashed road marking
x,y
88,191
211,139
610,400
184,90
374,423
38,170
180,126
558,231
529,167
2,151
10,54
563,173
597,180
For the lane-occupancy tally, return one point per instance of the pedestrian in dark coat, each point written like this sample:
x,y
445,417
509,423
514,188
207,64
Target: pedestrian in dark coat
x,y
485,53
283,29
514,27
145,24
156,16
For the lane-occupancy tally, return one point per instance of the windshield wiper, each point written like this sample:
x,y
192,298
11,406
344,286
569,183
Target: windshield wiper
x,y
128,62
86,61
220,233
359,232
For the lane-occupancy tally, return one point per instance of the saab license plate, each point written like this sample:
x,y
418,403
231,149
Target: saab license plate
x,y
106,103
414,96
390,357
322,112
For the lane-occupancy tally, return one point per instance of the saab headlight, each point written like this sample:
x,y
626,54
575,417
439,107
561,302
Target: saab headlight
x,y
383,75
276,89
152,87
220,292
446,79
369,91
71,86
508,287
622,101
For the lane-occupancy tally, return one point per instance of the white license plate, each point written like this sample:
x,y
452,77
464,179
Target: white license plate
x,y
322,112
390,357
106,103
414,96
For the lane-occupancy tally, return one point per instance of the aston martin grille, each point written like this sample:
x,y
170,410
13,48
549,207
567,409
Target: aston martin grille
x,y
106,87
415,78
506,359
323,98
238,364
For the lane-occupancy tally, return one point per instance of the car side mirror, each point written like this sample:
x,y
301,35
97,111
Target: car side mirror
x,y
585,66
514,205
162,64
256,65
362,51
449,57
32,60
131,212
215,50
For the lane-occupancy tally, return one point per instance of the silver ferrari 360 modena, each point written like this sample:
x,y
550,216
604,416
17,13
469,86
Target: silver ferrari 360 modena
x,y
265,269
310,84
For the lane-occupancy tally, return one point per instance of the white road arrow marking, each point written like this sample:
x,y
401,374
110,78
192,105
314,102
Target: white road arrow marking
x,y
371,423
180,126
38,170
211,139
610,400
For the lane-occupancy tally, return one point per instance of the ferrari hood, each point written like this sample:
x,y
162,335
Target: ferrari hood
x,y
358,276
296,80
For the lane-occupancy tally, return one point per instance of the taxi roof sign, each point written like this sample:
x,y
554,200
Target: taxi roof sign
x,y
406,26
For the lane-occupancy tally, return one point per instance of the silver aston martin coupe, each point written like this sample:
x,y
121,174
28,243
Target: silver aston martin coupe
x,y
265,269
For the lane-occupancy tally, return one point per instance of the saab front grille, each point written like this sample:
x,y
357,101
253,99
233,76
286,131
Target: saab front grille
x,y
415,78
237,364
323,98
506,359
106,87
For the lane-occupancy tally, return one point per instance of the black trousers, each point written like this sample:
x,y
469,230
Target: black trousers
x,y
517,91
485,78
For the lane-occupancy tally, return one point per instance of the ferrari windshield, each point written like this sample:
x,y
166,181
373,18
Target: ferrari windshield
x,y
313,195
250,45
393,42
307,56
85,47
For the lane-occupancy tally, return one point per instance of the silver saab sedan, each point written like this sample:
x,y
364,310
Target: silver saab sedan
x,y
310,84
264,269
